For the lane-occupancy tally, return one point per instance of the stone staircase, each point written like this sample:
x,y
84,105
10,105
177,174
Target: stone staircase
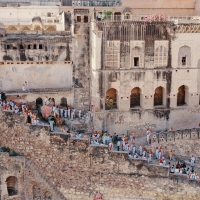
x,y
40,176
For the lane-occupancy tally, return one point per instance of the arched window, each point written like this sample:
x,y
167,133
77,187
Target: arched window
x,y
63,102
135,97
12,185
158,96
127,16
117,16
111,99
160,57
184,57
181,96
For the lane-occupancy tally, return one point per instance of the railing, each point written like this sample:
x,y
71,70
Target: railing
x,y
149,18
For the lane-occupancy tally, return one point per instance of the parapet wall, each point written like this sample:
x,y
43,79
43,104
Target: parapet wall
x,y
78,170
183,142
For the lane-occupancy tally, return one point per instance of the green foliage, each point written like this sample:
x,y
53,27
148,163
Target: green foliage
x,y
106,14
5,149
10,151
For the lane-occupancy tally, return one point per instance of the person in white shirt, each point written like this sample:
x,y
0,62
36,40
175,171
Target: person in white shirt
x,y
192,161
79,113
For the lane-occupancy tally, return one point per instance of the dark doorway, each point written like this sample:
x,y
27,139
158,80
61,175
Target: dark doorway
x,y
181,96
135,97
39,104
12,185
111,99
63,102
158,96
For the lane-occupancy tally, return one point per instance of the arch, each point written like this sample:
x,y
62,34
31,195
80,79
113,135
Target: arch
x,y
117,16
184,56
25,28
12,185
127,16
36,192
51,28
37,28
12,28
47,196
158,96
63,102
135,97
111,99
39,103
181,95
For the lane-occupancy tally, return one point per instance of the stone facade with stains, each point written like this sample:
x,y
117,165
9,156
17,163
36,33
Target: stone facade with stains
x,y
146,65
54,166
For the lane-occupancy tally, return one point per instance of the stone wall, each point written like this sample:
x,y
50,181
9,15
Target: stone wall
x,y
183,142
79,170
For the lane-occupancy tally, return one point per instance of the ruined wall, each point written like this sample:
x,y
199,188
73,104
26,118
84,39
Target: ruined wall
x,y
29,184
78,170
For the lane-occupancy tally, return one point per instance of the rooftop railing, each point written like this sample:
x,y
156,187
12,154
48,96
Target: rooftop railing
x,y
149,18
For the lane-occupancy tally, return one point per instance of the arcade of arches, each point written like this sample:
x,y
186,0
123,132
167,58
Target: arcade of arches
x,y
111,99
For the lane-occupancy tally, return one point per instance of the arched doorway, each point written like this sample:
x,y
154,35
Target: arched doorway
x,y
111,99
12,186
181,96
47,196
39,104
63,102
135,97
158,96
36,192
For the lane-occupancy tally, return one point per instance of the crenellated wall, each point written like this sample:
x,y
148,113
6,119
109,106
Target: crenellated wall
x,y
183,142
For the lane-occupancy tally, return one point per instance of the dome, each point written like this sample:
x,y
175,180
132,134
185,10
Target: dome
x,y
36,19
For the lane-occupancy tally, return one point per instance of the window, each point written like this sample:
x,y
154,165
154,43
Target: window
x,y
35,46
127,16
78,18
8,46
160,57
85,19
136,61
29,46
184,60
48,14
21,46
40,46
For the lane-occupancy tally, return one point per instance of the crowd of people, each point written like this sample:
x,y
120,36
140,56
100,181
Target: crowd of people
x,y
125,143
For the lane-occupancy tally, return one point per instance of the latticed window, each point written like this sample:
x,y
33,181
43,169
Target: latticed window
x,y
160,57
112,57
